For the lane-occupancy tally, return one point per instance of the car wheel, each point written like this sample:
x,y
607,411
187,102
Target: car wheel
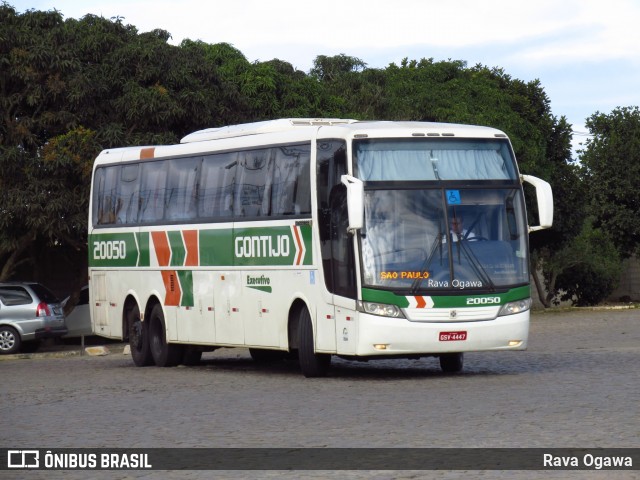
x,y
9,340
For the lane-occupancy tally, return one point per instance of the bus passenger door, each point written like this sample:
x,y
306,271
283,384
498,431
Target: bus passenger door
x,y
227,298
99,304
343,270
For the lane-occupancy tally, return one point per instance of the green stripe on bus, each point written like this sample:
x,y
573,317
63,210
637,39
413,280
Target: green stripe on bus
x,y
306,238
178,251
113,250
445,301
383,296
283,245
463,301
216,247
143,249
262,246
185,277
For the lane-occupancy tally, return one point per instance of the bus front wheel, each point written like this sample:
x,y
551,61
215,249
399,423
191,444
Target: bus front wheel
x,y
312,364
164,354
138,338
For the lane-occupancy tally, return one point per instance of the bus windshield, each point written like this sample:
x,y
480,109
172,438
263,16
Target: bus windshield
x,y
441,213
444,239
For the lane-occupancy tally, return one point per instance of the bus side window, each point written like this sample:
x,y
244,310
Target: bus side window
x,y
215,199
152,191
182,189
254,180
105,198
290,190
127,202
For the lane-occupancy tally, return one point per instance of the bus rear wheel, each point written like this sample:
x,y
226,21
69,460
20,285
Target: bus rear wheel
x,y
451,362
164,354
139,338
312,364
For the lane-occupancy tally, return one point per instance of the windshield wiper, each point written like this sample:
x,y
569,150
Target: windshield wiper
x,y
463,247
475,264
437,246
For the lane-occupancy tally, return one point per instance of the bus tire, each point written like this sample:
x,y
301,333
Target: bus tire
x,y
311,364
451,362
138,338
164,354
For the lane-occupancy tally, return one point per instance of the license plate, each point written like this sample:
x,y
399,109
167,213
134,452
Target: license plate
x,y
453,336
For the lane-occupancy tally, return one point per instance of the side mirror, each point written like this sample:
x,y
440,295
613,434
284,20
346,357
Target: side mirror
x,y
355,201
545,201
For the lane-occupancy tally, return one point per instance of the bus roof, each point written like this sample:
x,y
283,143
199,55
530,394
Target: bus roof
x,y
294,129
291,124
256,128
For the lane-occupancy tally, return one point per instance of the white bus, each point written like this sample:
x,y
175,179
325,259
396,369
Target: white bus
x,y
316,237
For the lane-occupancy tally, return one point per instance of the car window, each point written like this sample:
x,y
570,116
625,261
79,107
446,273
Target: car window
x,y
12,296
44,294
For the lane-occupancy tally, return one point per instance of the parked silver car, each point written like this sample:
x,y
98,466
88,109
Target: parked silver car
x,y
28,312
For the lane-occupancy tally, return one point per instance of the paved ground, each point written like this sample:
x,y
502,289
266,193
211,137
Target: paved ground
x,y
576,386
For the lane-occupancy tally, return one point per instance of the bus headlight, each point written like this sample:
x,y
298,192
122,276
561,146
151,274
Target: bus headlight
x,y
515,307
380,309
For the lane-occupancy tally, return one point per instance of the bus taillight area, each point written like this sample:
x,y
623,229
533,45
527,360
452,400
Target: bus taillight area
x,y
389,337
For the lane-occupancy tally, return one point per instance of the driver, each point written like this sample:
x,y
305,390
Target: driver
x,y
458,232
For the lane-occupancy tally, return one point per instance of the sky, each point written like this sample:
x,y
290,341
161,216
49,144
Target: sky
x,y
585,53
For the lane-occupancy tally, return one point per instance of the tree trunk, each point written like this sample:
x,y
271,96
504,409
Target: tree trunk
x,y
542,296
14,260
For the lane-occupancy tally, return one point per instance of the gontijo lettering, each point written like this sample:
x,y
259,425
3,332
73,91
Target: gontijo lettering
x,y
262,246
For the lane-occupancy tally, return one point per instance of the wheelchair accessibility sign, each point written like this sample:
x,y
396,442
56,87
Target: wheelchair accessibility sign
x,y
453,197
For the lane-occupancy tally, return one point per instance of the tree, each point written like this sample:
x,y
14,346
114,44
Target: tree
x,y
611,169
69,89
36,61
587,269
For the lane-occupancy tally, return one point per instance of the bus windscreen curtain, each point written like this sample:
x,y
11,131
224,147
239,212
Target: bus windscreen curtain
x,y
405,165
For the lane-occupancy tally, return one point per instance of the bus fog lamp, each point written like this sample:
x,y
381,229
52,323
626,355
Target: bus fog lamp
x,y
381,346
380,309
515,343
518,306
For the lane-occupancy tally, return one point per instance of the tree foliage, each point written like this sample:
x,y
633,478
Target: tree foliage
x,y
588,268
611,169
